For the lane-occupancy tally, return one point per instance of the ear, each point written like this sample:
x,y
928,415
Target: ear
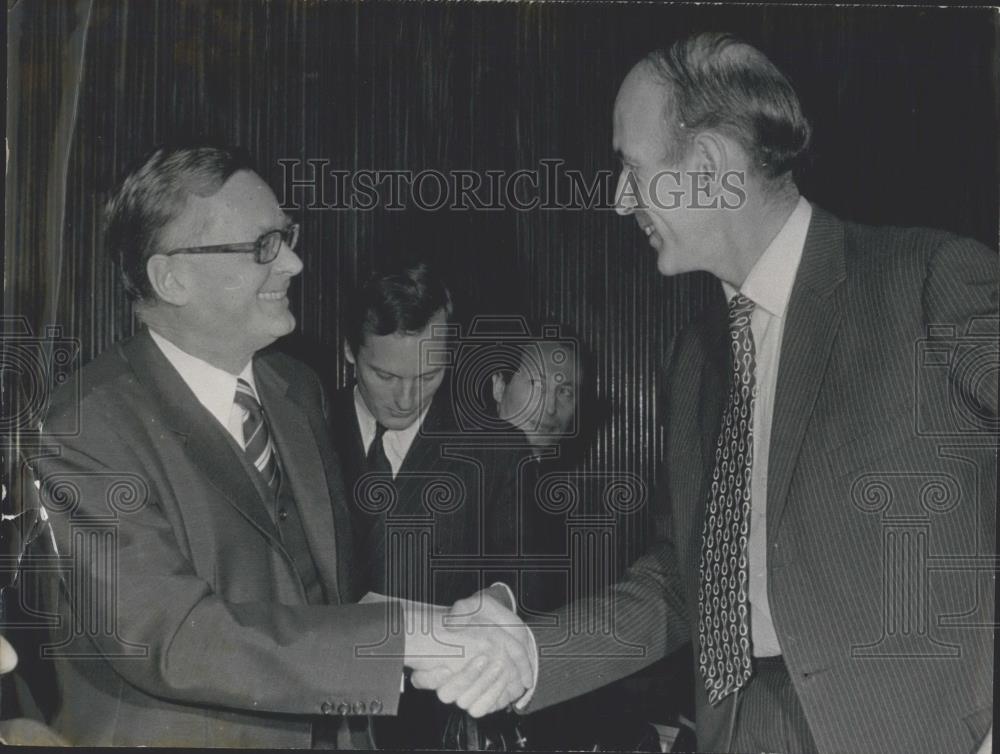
x,y
348,354
499,387
713,155
167,283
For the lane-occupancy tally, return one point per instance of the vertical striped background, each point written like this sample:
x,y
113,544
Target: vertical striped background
x,y
903,100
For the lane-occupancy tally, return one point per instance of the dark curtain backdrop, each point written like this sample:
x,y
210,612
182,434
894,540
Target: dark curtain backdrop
x,y
903,102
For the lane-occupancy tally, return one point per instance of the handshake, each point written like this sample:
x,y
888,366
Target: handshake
x,y
477,654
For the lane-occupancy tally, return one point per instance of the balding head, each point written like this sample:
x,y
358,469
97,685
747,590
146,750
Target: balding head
x,y
714,81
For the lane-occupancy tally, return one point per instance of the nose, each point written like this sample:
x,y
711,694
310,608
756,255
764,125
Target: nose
x,y
625,202
406,396
287,262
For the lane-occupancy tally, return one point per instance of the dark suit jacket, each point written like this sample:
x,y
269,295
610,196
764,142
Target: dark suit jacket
x,y
448,525
452,514
184,620
881,510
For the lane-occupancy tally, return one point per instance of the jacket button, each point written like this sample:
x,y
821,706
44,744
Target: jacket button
x,y
343,709
282,514
360,708
375,707
326,708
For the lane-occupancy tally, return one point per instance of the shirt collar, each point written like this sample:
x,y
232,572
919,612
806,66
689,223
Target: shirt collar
x,y
401,438
214,388
769,284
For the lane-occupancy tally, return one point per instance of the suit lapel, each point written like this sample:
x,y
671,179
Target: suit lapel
x,y
302,467
813,317
424,453
715,379
712,389
347,436
208,444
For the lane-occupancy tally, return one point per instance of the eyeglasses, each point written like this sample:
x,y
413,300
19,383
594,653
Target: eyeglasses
x,y
265,249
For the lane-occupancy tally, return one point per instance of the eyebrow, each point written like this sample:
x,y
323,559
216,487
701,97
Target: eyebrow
x,y
432,370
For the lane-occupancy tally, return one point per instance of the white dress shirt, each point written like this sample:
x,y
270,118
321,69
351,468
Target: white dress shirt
x,y
214,388
396,442
769,286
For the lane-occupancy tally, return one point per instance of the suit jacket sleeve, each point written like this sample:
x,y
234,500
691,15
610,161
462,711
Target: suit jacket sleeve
x,y
597,641
640,619
960,305
163,627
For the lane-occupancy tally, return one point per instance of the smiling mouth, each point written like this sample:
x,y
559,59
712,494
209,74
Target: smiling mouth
x,y
272,295
645,225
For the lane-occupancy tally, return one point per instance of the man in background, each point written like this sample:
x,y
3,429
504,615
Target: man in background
x,y
538,393
433,498
830,422
544,387
196,499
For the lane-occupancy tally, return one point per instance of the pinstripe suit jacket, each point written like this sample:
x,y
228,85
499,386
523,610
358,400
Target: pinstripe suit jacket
x,y
881,510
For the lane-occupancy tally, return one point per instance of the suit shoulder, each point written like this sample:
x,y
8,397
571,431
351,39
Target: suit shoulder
x,y
300,377
97,388
908,245
342,402
287,366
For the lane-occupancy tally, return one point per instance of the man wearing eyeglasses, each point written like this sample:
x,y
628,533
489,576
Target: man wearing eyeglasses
x,y
199,509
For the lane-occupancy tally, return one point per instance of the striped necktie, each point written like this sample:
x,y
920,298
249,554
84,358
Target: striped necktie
x,y
256,439
723,603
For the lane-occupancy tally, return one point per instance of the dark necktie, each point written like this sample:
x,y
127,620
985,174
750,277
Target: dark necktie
x,y
723,605
256,439
376,460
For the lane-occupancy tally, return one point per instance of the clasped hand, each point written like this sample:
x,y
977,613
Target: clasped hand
x,y
477,654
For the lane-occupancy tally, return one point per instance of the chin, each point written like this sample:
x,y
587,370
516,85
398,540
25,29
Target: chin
x,y
668,265
543,441
283,326
664,266
396,423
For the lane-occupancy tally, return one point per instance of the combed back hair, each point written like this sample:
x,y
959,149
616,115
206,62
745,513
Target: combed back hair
x,y
152,194
399,300
717,81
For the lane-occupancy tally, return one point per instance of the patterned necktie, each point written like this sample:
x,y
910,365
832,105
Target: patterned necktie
x,y
723,606
256,439
377,460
